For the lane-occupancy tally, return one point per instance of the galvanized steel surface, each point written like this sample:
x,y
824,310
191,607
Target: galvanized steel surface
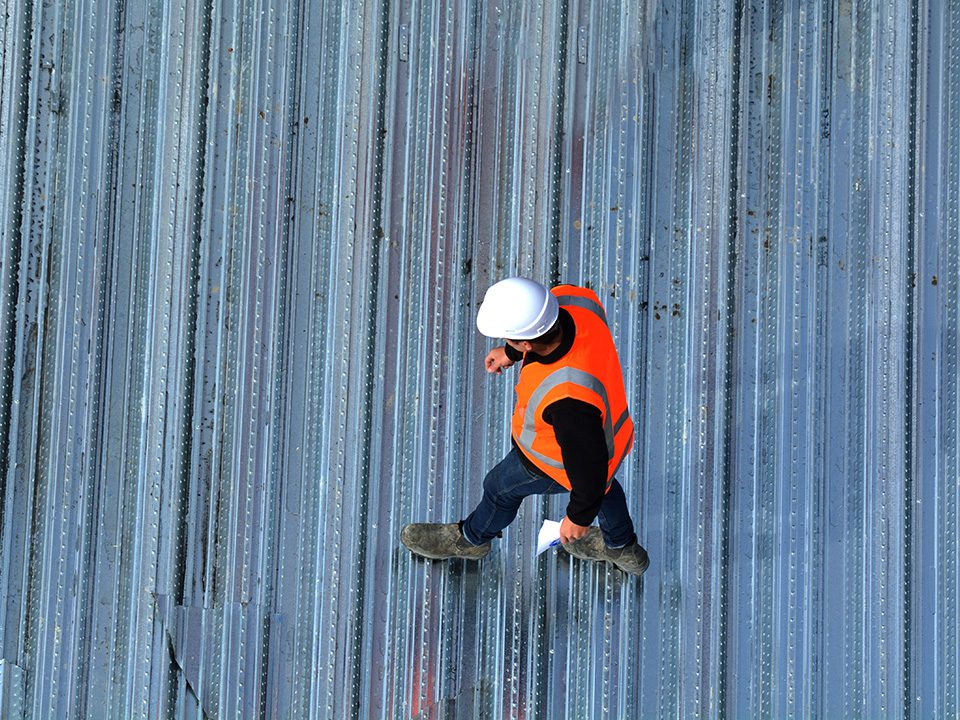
x,y
243,246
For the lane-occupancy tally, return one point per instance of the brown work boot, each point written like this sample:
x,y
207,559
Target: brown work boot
x,y
631,559
440,541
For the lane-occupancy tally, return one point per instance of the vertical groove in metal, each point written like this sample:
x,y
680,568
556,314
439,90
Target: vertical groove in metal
x,y
909,374
16,494
822,246
947,269
243,248
856,502
726,410
15,83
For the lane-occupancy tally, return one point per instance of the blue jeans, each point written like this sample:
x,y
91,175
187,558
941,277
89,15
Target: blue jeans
x,y
510,482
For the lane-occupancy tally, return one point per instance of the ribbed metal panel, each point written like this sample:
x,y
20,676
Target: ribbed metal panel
x,y
243,244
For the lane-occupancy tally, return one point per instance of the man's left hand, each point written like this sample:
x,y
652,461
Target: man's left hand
x,y
571,531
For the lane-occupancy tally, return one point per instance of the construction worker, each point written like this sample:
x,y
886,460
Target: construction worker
x,y
571,428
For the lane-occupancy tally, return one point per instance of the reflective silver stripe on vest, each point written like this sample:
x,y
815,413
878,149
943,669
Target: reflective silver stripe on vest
x,y
549,462
617,427
617,468
585,303
621,421
561,376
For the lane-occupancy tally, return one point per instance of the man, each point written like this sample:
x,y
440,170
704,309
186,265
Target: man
x,y
571,428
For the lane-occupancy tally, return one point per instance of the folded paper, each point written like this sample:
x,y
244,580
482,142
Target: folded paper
x,y
549,536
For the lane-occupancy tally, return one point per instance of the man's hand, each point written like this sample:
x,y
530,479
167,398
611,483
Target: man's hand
x,y
497,360
571,531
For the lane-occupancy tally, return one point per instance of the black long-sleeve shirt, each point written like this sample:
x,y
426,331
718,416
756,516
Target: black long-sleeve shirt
x,y
579,430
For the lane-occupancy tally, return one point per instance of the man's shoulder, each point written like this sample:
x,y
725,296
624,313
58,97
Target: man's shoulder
x,y
574,290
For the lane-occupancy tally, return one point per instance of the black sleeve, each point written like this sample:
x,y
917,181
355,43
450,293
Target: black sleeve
x,y
513,355
583,447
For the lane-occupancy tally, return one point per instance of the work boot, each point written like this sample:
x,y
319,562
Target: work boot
x,y
440,541
631,559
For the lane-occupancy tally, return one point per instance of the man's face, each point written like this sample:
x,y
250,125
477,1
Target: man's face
x,y
521,346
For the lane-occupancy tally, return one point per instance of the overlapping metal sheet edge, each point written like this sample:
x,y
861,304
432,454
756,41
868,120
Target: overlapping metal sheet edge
x,y
243,248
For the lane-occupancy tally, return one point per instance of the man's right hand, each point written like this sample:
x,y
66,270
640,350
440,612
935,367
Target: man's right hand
x,y
497,360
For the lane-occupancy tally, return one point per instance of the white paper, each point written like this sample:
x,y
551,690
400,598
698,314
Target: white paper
x,y
549,536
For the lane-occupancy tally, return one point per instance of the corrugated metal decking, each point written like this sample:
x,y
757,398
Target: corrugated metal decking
x,y
243,246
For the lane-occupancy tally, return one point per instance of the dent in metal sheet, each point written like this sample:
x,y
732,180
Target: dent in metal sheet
x,y
196,635
188,633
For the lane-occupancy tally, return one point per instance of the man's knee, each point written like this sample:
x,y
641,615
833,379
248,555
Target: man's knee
x,y
493,486
501,491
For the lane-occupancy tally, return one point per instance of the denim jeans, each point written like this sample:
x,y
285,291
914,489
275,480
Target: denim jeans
x,y
510,482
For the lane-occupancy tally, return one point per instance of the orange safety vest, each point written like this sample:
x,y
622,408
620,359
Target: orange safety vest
x,y
590,371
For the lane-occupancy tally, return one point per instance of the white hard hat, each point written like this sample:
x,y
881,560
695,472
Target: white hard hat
x,y
517,309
